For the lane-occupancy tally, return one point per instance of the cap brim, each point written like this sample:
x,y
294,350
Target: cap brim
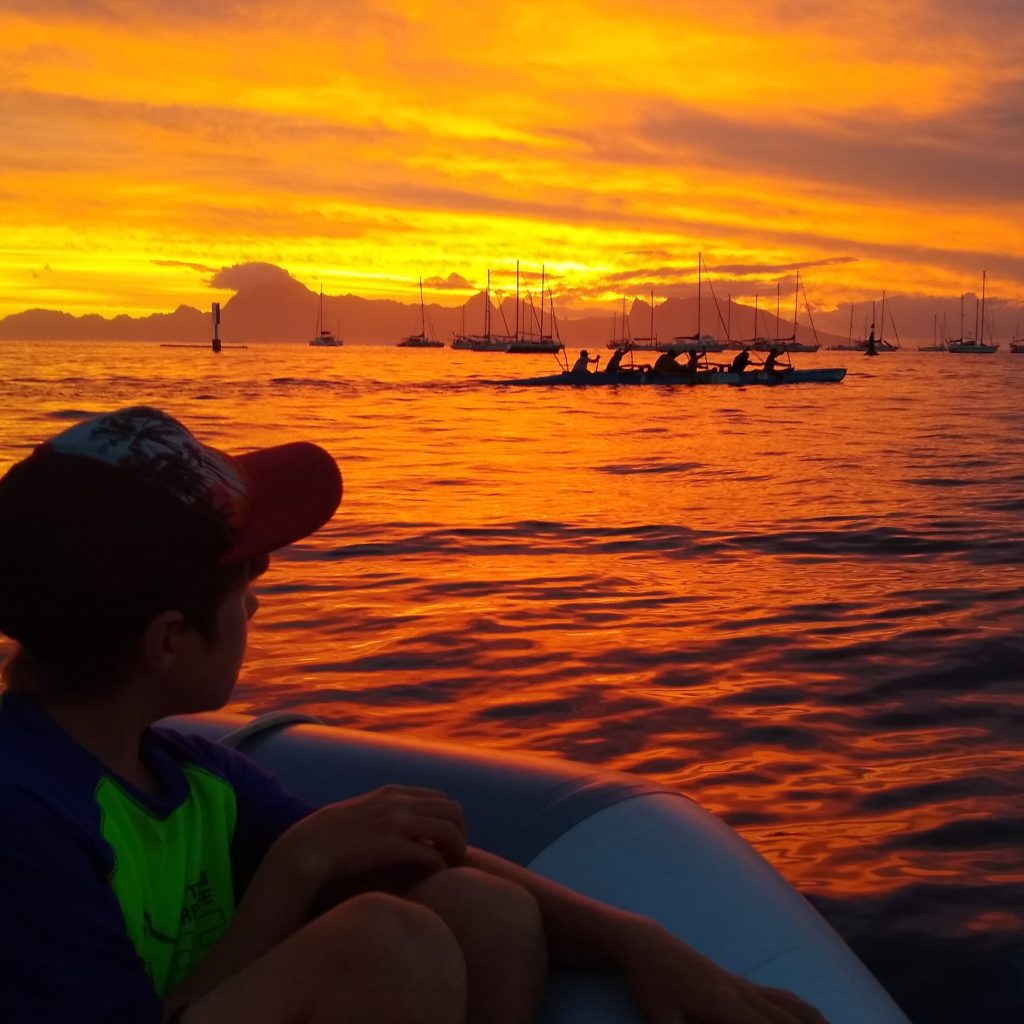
x,y
293,490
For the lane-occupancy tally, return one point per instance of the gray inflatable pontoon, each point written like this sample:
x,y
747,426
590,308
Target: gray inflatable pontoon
x,y
619,838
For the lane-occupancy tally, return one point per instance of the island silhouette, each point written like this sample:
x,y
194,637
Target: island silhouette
x,y
269,305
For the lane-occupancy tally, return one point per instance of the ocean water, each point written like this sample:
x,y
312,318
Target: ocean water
x,y
803,606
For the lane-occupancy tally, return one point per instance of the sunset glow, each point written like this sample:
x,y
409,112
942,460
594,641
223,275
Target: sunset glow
x,y
147,146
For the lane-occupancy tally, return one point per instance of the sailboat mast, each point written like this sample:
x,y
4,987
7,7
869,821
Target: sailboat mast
x,y
652,316
487,306
517,301
981,337
699,260
796,303
423,314
881,326
542,279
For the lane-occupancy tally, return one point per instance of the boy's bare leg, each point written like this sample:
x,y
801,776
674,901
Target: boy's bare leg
x,y
499,928
375,959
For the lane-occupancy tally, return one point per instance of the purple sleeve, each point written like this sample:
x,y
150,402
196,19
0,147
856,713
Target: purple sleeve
x,y
64,952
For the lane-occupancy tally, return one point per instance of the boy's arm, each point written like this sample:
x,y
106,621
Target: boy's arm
x,y
666,976
392,827
276,904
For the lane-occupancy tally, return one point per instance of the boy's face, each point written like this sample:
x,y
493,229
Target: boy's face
x,y
210,667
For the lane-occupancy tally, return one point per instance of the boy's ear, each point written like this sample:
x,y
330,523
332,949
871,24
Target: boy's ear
x,y
162,639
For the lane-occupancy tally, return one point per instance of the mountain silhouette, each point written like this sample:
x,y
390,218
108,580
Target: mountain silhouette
x,y
269,305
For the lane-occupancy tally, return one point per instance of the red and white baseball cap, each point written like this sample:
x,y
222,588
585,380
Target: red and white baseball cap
x,y
260,500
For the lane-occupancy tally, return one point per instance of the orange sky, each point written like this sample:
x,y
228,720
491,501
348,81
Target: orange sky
x,y
362,145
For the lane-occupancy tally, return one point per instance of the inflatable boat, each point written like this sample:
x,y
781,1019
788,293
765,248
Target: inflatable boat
x,y
818,375
619,838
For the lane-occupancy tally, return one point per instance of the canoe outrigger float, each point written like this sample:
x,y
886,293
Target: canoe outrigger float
x,y
620,838
817,375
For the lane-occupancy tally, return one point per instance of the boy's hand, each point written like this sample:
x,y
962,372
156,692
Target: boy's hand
x,y
670,982
395,826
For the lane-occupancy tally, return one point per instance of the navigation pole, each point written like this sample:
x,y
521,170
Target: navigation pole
x,y
215,344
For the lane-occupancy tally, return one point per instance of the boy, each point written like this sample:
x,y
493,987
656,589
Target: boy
x,y
146,876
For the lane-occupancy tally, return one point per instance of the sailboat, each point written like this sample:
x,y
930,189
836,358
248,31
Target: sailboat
x,y
324,337
849,345
525,344
873,345
870,345
1017,345
650,343
620,338
758,343
703,342
790,344
976,345
936,345
485,342
421,340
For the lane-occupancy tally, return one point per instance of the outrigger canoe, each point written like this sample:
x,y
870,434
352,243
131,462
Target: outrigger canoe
x,y
822,375
620,838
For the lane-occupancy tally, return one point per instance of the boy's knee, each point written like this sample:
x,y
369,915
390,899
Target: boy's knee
x,y
369,959
405,946
489,903
381,922
508,905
